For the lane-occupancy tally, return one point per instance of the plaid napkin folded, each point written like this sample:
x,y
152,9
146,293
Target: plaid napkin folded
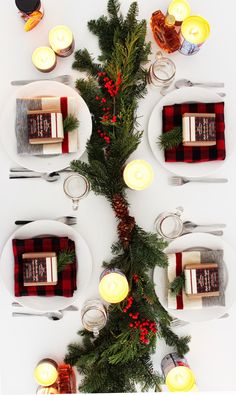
x,y
172,117
176,264
66,284
66,105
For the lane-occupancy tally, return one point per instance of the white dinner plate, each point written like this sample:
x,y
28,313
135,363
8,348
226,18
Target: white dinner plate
x,y
55,228
44,163
197,240
155,130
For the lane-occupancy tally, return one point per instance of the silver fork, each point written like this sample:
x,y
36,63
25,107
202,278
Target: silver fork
x,y
65,79
65,220
177,181
176,322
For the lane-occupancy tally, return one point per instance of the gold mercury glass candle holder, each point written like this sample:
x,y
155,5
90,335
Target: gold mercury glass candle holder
x,y
61,40
44,59
113,286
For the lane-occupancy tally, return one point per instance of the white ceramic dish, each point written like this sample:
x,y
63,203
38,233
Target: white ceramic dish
x,y
197,240
84,260
43,163
155,130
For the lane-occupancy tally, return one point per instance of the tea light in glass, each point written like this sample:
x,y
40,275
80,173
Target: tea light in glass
x,y
138,174
94,316
180,9
113,286
46,372
61,40
44,59
46,390
194,32
177,373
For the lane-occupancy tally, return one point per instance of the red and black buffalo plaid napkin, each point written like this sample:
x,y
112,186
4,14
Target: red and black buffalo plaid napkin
x,y
172,116
66,284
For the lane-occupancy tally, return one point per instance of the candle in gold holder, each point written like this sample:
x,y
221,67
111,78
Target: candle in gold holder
x,y
113,286
138,174
194,31
61,40
46,372
177,373
46,390
44,59
180,9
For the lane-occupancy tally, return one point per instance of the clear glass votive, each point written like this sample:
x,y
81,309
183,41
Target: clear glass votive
x,y
94,316
76,187
170,225
162,71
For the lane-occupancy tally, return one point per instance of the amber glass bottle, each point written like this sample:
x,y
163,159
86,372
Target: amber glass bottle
x,y
164,31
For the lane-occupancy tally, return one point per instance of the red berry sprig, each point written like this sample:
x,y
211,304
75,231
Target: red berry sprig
x,y
130,300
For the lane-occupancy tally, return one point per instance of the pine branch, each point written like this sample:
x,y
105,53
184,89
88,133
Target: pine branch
x,y
177,284
64,258
84,62
171,139
70,123
172,340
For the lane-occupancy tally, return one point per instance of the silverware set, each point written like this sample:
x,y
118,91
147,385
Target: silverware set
x,y
67,220
51,315
184,83
21,173
178,181
177,323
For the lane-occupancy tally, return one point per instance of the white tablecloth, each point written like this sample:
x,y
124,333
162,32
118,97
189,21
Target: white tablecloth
x,y
23,341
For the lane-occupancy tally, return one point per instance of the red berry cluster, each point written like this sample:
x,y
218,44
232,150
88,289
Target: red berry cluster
x,y
111,86
104,136
130,300
145,328
135,278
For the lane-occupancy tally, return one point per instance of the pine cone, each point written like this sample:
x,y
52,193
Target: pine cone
x,y
125,229
120,206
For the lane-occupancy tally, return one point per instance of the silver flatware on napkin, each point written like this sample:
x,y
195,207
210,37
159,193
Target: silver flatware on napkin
x,y
50,177
177,181
67,220
65,79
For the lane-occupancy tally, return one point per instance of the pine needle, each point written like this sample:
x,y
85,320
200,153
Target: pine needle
x,y
64,258
170,139
177,284
70,123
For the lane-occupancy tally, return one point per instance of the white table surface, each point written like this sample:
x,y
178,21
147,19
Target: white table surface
x,y
24,341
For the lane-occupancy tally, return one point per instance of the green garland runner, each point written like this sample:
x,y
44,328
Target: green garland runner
x,y
120,357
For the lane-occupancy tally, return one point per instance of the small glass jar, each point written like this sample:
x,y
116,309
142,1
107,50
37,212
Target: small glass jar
x,y
170,225
30,9
76,187
162,71
94,316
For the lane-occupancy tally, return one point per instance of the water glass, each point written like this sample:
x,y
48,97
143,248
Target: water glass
x,y
76,187
94,316
162,71
170,225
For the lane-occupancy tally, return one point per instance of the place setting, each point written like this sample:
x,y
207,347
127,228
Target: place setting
x,y
153,285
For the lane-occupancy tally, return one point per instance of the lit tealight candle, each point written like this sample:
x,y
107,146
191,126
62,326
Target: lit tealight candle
x,y
44,59
194,31
181,379
46,372
61,40
180,9
138,174
113,286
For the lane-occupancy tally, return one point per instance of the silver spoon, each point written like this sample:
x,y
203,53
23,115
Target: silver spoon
x,y
71,307
192,226
54,315
67,220
213,232
50,177
185,82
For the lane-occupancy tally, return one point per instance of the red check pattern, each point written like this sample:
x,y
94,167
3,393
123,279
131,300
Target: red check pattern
x,y
66,284
172,117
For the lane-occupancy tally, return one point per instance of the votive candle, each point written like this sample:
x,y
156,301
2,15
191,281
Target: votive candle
x,y
194,32
178,375
46,372
180,9
113,286
61,40
138,174
44,59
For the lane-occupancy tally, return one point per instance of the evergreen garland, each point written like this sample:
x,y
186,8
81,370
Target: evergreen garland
x,y
119,358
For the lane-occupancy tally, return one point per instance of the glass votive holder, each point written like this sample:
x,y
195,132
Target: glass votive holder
x,y
47,390
76,187
162,71
177,373
46,372
170,225
113,286
94,316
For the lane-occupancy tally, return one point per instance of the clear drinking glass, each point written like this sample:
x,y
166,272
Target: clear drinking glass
x,y
162,71
76,187
94,316
170,225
